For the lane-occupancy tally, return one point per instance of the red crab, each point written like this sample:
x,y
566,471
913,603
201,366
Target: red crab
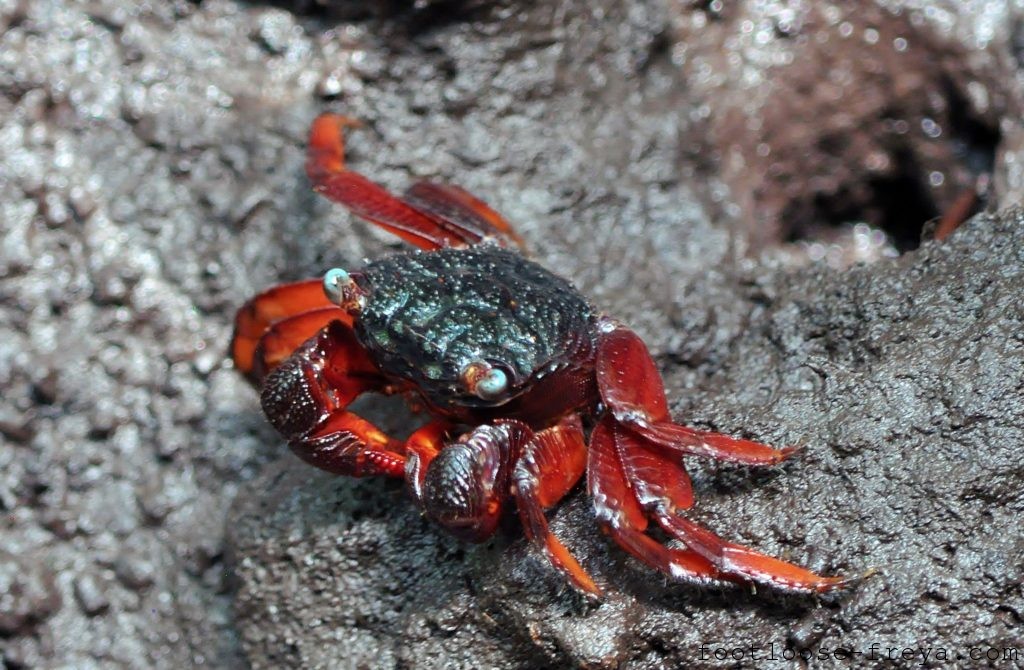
x,y
510,361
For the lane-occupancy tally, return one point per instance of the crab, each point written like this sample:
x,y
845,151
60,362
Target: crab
x,y
514,366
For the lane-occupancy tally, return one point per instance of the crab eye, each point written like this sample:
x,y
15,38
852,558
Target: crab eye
x,y
341,289
492,385
335,281
484,380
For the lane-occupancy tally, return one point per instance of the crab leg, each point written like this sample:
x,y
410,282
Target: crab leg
x,y
282,338
630,451
458,209
656,478
269,307
552,463
735,559
620,514
430,216
305,399
462,485
632,388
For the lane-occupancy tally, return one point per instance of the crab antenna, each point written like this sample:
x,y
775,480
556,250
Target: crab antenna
x,y
341,289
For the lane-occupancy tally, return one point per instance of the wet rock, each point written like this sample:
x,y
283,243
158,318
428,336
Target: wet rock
x,y
28,594
821,114
90,594
376,595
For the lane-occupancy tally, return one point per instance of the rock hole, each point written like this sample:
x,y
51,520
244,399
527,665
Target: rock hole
x,y
903,203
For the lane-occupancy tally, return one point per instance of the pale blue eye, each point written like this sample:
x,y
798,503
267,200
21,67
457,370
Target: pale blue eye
x,y
493,384
335,281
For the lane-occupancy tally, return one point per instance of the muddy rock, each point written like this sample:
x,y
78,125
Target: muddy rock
x,y
820,114
151,180
901,378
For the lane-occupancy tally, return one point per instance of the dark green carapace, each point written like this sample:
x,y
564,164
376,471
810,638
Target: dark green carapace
x,y
428,315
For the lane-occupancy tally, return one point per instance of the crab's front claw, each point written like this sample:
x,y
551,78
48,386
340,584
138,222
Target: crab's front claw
x,y
636,474
461,485
305,399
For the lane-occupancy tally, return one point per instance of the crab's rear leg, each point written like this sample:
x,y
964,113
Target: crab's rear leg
x,y
631,387
639,433
735,559
430,215
306,396
624,519
457,209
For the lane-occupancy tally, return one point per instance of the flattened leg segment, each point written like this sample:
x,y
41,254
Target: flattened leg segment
x,y
550,465
273,305
662,488
456,208
736,559
683,440
631,386
430,216
656,477
684,565
620,514
615,502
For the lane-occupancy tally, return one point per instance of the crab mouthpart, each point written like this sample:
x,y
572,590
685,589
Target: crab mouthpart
x,y
342,290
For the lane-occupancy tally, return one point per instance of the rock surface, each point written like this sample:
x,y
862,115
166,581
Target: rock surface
x,y
903,379
150,181
824,113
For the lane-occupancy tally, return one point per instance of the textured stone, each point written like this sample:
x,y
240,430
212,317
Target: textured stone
x,y
820,113
902,379
28,594
151,180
